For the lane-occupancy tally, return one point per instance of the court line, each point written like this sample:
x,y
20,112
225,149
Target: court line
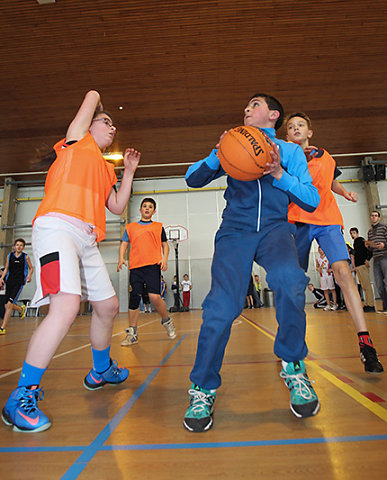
x,y
350,391
11,372
184,446
89,453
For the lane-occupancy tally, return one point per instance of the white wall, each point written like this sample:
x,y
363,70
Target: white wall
x,y
199,211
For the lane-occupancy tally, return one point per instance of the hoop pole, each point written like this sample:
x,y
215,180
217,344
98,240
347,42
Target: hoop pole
x,y
180,303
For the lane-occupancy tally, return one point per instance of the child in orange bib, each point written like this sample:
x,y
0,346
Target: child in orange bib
x,y
68,223
325,225
148,257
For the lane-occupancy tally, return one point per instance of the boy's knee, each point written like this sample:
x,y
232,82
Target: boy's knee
x,y
106,308
134,301
288,277
114,305
342,271
155,298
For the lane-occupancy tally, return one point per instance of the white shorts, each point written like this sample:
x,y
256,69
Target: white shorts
x,y
327,283
67,260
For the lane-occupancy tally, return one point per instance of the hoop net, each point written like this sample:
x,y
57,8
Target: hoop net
x,y
176,233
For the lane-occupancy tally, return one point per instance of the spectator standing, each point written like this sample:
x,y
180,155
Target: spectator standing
x,y
362,266
377,243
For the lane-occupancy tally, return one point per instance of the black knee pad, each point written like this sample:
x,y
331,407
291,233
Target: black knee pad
x,y
134,301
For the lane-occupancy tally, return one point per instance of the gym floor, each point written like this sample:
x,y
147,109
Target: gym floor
x,y
135,431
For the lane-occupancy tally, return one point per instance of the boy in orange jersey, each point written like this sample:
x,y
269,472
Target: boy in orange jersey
x,y
147,258
69,222
325,225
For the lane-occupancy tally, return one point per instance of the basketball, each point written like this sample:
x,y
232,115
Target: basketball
x,y
244,152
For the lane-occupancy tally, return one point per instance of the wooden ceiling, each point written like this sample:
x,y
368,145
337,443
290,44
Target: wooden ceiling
x,y
184,70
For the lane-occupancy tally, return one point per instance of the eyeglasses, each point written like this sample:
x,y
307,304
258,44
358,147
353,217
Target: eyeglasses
x,y
106,121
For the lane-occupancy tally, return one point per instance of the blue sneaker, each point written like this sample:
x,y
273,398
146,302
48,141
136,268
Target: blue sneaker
x,y
303,399
22,413
198,417
113,375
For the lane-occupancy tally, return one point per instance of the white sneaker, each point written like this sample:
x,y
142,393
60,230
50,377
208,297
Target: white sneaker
x,y
327,308
170,328
334,307
131,337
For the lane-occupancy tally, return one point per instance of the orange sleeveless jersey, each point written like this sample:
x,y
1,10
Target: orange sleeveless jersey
x,y
146,247
78,184
322,170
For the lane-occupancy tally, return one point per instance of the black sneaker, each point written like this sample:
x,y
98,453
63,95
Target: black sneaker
x,y
368,308
370,359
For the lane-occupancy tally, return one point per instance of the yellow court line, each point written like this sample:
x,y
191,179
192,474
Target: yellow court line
x,y
350,391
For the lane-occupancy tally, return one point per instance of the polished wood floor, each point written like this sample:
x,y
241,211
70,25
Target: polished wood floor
x,y
135,431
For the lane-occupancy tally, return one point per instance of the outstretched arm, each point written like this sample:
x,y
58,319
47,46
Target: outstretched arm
x,y
204,171
117,201
340,190
82,120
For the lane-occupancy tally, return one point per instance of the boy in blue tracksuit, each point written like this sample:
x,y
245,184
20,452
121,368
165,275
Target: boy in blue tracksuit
x,y
255,227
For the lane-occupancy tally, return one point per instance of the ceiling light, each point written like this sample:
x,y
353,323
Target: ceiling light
x,y
113,156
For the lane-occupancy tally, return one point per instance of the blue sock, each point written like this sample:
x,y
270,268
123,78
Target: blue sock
x,y
30,375
101,359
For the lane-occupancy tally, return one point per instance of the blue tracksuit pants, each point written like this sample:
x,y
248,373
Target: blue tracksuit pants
x,y
274,249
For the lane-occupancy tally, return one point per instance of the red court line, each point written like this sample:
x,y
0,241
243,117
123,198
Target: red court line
x,y
373,397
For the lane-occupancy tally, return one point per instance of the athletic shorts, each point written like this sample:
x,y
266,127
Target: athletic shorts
x,y
67,260
327,283
329,238
12,292
150,274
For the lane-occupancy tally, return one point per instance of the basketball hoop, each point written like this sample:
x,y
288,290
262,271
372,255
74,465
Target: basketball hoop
x,y
176,234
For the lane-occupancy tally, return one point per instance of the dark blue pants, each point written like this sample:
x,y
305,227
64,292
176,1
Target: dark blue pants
x,y
235,250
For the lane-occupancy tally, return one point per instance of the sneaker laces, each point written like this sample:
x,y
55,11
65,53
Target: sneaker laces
x,y
29,399
301,383
200,400
116,369
169,324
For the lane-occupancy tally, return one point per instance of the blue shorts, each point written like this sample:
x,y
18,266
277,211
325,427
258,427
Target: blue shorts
x,y
329,238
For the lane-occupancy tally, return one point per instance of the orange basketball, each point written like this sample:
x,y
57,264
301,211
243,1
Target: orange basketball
x,y
244,153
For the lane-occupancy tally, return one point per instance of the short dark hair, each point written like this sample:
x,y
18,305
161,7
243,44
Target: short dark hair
x,y
101,112
375,211
150,200
354,229
21,240
299,114
273,104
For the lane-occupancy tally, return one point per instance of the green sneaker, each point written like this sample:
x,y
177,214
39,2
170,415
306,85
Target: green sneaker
x,y
303,399
198,416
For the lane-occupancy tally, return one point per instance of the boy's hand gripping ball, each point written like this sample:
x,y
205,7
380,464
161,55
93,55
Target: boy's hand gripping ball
x,y
244,152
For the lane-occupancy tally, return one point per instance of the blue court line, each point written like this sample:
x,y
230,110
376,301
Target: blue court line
x,y
185,446
81,463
